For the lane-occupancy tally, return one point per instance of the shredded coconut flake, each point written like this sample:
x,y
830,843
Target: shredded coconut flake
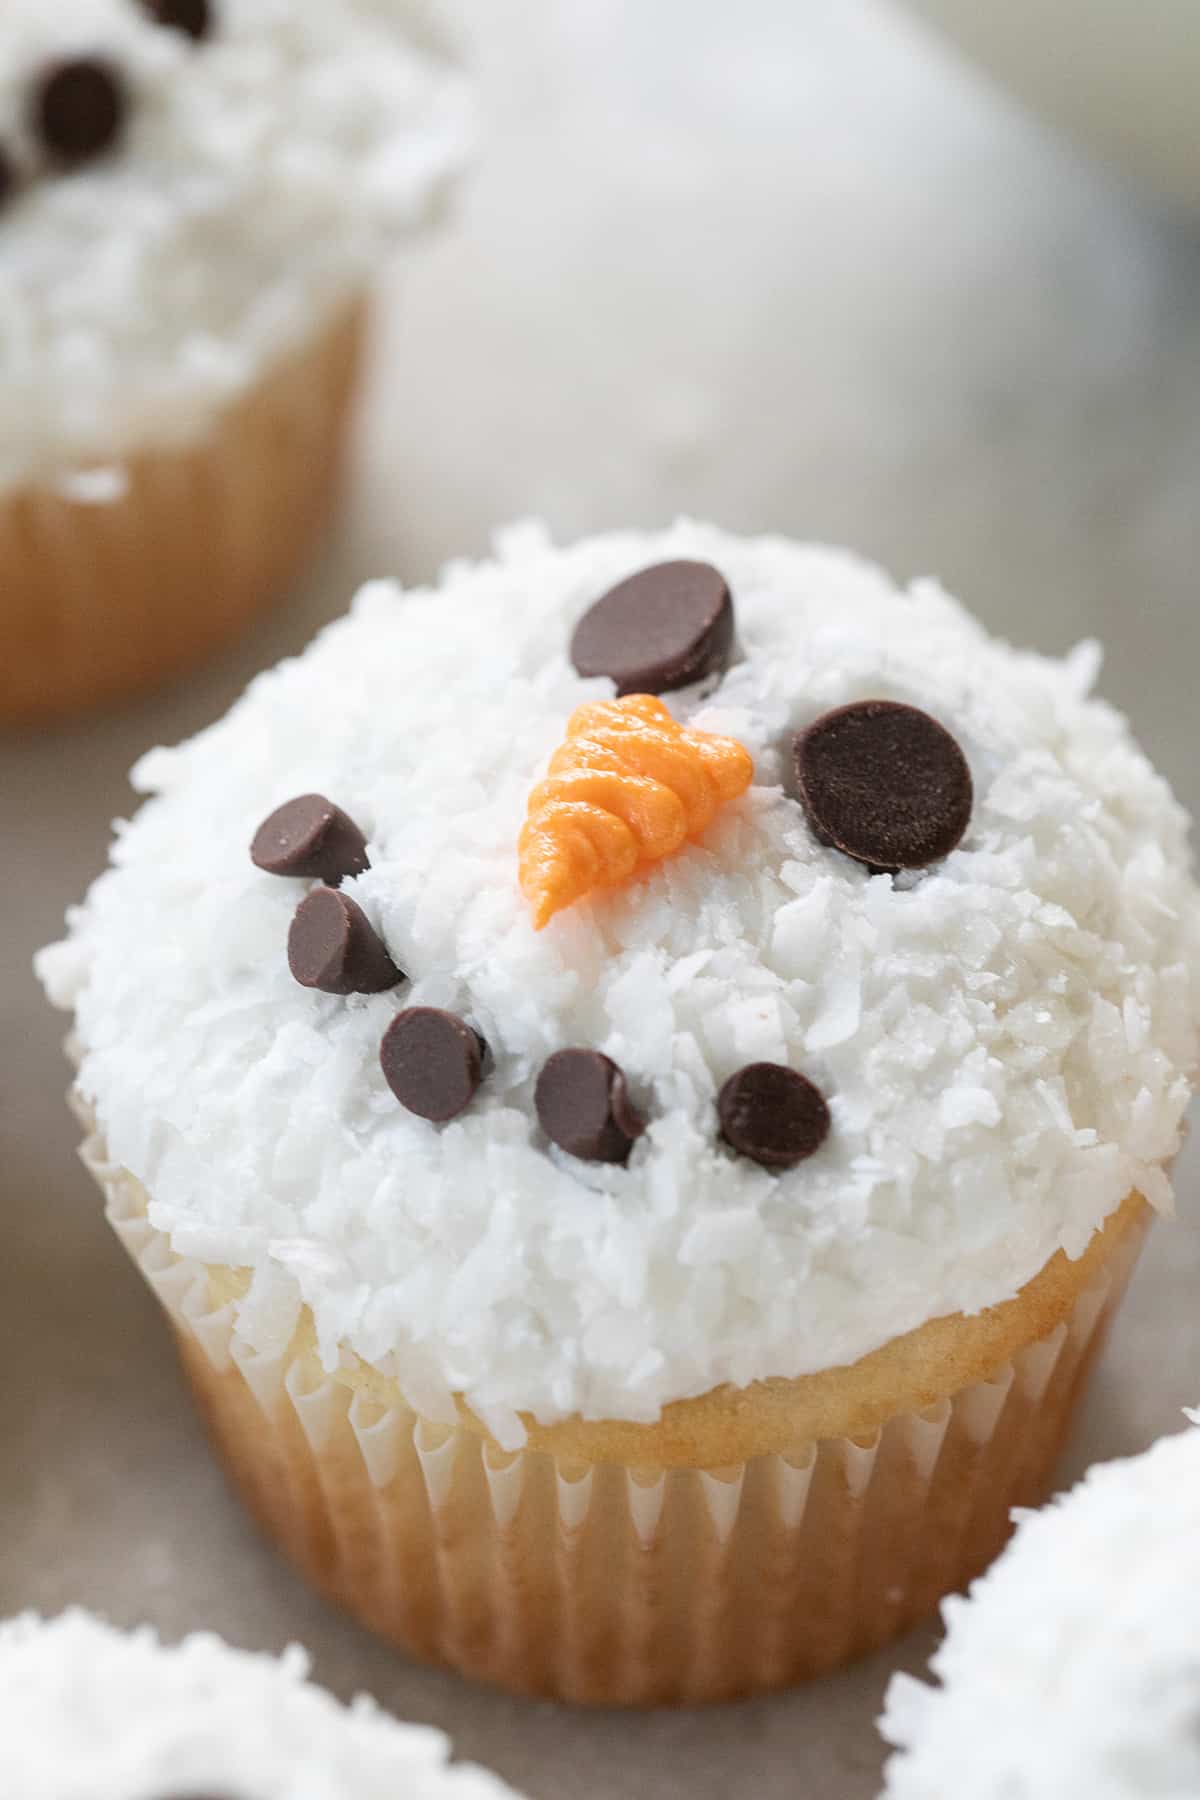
x,y
90,1713
1072,1672
1005,1041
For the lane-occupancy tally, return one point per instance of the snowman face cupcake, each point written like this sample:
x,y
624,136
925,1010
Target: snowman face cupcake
x,y
188,189
977,1057
1072,1672
97,1714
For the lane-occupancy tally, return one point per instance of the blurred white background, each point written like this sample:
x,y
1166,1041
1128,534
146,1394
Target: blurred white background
x,y
786,263
797,267
1120,77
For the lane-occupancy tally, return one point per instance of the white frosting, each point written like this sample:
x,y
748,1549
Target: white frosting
x,y
264,173
1073,1670
1005,1043
89,1713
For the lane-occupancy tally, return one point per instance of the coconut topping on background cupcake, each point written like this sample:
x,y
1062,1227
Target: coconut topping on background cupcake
x,y
638,986
188,190
91,1713
1072,1672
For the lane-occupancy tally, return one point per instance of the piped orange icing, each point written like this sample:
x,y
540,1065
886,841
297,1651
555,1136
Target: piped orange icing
x,y
627,787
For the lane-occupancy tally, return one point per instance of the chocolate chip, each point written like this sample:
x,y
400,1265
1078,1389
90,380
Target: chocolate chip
x,y
661,629
310,837
80,108
583,1106
772,1115
195,17
432,1061
333,946
884,783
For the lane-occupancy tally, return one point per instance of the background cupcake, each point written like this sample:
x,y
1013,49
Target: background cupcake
x,y
672,1301
1072,1670
195,196
91,1713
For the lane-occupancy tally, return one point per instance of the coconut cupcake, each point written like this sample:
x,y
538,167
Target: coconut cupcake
x,y
96,1714
1073,1670
641,1119
195,197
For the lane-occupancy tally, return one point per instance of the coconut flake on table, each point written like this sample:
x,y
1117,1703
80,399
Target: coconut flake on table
x,y
1072,1670
91,1713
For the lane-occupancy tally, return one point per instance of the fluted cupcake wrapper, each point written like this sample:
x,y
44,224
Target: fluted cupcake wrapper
x,y
595,1582
126,575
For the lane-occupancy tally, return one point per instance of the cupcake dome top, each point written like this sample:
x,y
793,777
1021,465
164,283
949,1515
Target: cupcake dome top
x,y
91,1713
1072,1672
751,1113
188,189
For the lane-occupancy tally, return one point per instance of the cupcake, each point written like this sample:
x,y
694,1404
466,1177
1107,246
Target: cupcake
x,y
640,1075
195,196
97,1714
1072,1672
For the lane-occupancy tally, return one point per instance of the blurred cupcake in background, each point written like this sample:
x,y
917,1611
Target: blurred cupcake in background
x,y
195,199
91,1713
1072,1671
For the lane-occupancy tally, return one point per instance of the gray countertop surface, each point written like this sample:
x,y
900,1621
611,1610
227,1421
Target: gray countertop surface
x,y
792,267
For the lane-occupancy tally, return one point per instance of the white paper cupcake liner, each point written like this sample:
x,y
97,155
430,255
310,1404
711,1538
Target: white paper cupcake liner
x,y
120,576
600,1583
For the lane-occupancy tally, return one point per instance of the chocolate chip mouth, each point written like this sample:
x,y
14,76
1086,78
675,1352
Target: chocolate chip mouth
x,y
773,1115
333,946
433,1062
583,1106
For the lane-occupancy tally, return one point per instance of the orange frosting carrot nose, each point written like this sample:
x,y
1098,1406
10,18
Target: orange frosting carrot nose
x,y
626,788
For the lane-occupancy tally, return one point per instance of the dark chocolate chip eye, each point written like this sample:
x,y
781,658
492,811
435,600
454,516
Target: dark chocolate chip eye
x,y
773,1115
194,17
583,1106
432,1061
660,629
884,783
80,109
